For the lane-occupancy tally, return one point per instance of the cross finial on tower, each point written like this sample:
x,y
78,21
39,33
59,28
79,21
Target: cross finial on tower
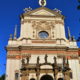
x,y
42,3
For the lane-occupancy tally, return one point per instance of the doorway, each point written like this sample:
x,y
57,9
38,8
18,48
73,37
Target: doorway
x,y
60,79
46,77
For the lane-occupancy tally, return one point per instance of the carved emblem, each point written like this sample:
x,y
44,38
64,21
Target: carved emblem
x,y
42,3
42,25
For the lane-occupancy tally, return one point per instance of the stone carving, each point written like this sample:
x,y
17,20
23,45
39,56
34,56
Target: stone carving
x,y
57,10
38,59
23,61
46,58
59,22
55,62
27,9
43,25
42,3
27,60
64,61
56,68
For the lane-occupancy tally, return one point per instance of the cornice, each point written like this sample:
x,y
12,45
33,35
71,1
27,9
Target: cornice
x,y
57,48
39,21
44,16
10,48
47,9
13,56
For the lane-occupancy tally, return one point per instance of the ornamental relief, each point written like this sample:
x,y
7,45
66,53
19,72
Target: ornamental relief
x,y
51,23
42,25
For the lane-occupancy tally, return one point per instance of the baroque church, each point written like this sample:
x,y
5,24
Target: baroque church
x,y
42,52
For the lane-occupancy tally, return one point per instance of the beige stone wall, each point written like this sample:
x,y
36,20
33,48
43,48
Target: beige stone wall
x,y
27,29
12,66
33,58
74,65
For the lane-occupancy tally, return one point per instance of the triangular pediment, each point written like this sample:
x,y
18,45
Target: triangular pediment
x,y
42,11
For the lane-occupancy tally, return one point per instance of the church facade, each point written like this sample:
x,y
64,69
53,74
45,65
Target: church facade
x,y
42,52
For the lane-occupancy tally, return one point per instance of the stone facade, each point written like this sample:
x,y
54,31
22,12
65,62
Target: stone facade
x,y
42,51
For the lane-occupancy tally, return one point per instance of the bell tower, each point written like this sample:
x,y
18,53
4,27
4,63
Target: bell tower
x,y
42,52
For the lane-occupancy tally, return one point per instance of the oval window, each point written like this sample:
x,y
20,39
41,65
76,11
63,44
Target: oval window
x,y
43,34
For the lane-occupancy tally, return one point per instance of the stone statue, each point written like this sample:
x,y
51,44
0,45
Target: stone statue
x,y
23,61
64,61
38,59
55,62
27,60
46,58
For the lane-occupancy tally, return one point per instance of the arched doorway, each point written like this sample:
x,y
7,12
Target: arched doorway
x,y
60,79
32,79
46,77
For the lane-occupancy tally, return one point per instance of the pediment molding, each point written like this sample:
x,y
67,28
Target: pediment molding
x,y
43,11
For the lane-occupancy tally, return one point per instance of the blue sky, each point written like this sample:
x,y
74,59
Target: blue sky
x,y
10,11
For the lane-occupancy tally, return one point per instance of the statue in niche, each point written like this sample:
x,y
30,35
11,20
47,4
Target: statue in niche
x,y
46,58
27,60
64,60
23,61
55,62
38,59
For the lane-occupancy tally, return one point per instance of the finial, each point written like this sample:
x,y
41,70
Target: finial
x,y
69,34
42,3
27,9
10,37
15,32
57,10
72,38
